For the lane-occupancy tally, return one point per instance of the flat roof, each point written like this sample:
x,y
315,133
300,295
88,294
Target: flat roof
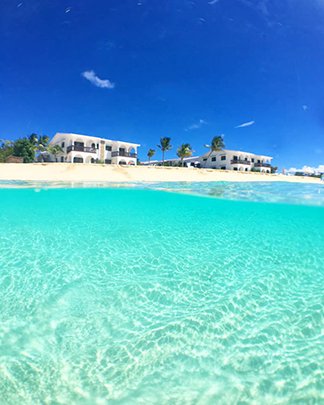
x,y
62,134
241,152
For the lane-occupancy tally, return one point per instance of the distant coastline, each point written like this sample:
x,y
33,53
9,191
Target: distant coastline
x,y
113,173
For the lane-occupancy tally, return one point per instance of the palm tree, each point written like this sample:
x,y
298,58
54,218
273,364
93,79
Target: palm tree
x,y
165,145
39,143
150,154
43,142
217,144
185,150
54,150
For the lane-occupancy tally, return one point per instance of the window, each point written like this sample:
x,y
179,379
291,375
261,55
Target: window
x,y
252,160
223,157
214,159
259,161
62,144
97,145
108,161
234,168
223,168
108,148
93,145
62,159
246,159
204,159
77,160
235,158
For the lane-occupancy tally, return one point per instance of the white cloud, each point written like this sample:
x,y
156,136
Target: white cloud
x,y
245,124
307,170
196,125
213,1
305,107
96,81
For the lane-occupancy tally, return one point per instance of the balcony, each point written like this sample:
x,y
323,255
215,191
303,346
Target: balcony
x,y
86,149
262,165
124,154
240,162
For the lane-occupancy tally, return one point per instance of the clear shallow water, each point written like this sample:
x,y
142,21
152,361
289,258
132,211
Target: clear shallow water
x,y
139,296
282,192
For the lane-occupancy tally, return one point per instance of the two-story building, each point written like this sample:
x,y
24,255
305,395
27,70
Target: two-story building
x,y
89,149
236,160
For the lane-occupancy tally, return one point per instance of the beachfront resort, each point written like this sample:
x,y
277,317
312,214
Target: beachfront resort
x,y
224,160
76,148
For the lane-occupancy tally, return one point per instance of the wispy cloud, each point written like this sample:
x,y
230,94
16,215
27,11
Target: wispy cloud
x,y
245,124
96,81
196,125
213,1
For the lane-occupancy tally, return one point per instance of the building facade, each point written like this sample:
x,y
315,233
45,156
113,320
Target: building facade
x,y
236,160
88,149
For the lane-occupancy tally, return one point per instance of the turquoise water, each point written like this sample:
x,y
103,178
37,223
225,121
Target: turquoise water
x,y
282,192
136,296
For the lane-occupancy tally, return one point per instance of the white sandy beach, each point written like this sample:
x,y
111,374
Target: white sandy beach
x,y
112,173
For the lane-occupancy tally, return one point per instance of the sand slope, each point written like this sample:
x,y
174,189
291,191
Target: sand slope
x,y
114,173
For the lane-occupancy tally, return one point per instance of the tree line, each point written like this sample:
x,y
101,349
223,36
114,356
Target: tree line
x,y
185,150
34,147
29,148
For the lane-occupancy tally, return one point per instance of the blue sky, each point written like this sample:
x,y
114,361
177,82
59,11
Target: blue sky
x,y
139,70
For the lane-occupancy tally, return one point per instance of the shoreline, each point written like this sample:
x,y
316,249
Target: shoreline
x,y
73,172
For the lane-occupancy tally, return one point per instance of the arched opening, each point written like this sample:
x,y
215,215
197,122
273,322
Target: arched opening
x,y
92,160
246,169
93,146
77,159
122,162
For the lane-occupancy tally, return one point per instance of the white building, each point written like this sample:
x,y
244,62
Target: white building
x,y
191,161
89,149
236,160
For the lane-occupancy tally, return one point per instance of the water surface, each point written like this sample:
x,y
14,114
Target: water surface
x,y
141,296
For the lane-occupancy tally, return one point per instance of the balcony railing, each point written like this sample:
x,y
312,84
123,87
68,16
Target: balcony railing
x,y
262,165
124,154
86,149
240,162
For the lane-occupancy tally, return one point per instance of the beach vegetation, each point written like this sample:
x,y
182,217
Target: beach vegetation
x,y
54,150
165,145
217,144
25,148
184,151
150,154
6,150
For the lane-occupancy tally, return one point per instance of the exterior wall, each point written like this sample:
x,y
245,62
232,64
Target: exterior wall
x,y
236,160
94,150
